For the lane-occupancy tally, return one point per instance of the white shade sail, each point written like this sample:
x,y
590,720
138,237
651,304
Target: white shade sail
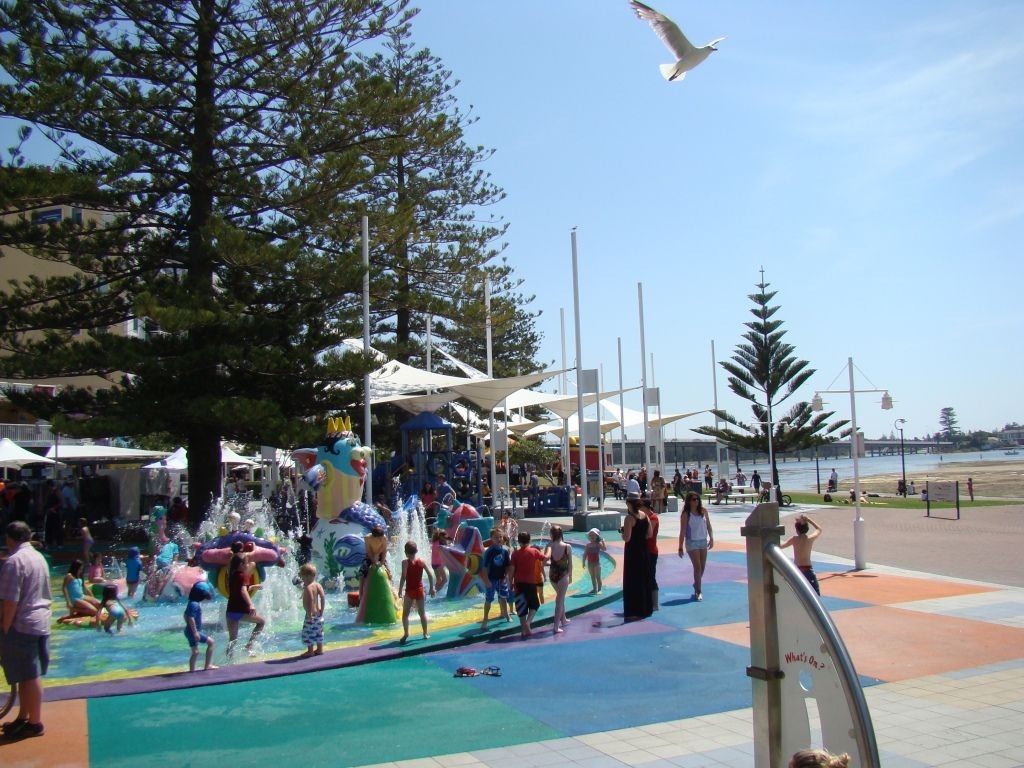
x,y
102,453
14,456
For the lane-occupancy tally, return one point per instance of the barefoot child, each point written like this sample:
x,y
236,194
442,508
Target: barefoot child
x,y
80,603
112,611
132,569
194,624
412,582
802,544
592,559
313,600
523,575
437,540
495,576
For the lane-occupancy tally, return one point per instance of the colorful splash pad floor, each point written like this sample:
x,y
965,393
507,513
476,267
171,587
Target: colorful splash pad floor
x,y
153,654
681,669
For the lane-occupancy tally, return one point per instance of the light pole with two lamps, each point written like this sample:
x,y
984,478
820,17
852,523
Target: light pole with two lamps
x,y
903,462
858,520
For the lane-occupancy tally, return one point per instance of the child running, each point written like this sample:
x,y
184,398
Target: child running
x,y
313,600
194,624
495,576
412,583
802,544
116,613
592,559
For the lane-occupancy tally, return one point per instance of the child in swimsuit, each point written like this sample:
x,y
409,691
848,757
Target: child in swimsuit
x,y
132,568
438,540
79,603
112,611
802,544
96,573
201,590
412,582
313,599
592,559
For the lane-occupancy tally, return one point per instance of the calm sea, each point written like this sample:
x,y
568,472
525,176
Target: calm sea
x,y
802,476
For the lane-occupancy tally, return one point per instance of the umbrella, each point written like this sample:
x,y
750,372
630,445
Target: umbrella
x,y
14,456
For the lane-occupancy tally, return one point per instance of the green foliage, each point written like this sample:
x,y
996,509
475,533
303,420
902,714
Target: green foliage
x,y
949,424
229,151
531,451
765,372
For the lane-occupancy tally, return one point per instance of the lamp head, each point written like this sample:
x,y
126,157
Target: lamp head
x,y
886,402
816,403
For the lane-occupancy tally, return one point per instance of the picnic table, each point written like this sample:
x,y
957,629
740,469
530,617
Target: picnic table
x,y
740,493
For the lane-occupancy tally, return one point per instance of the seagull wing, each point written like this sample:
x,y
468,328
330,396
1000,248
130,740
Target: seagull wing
x,y
669,32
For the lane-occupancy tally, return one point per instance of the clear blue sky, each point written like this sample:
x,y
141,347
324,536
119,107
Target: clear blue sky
x,y
868,155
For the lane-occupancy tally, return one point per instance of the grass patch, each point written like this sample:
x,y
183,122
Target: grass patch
x,y
894,502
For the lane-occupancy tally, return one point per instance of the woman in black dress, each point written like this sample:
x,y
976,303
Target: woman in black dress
x,y
636,573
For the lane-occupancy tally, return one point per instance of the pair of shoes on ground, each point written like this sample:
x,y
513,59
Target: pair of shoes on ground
x,y
471,672
21,729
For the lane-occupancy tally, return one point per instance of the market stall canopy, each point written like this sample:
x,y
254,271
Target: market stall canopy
x,y
101,454
14,456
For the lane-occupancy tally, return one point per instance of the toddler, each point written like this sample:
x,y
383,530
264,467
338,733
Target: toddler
x,y
96,573
200,591
116,613
313,600
132,569
412,582
592,559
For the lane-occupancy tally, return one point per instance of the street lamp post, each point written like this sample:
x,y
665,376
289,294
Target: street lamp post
x,y
903,462
858,520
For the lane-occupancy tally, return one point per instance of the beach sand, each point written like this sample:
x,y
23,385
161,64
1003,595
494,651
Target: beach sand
x,y
992,479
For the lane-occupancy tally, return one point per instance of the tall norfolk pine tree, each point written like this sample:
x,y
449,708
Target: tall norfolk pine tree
x,y
765,372
234,147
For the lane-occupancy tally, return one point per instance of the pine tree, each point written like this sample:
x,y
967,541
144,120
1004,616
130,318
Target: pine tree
x,y
764,372
950,424
230,148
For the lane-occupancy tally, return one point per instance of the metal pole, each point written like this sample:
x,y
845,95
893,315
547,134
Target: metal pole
x,y
582,444
367,428
622,408
903,463
858,520
564,389
643,367
490,374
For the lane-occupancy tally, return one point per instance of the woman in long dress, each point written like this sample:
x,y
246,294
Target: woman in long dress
x,y
636,572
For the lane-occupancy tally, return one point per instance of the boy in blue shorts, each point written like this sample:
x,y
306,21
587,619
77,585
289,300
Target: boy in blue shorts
x,y
494,569
194,624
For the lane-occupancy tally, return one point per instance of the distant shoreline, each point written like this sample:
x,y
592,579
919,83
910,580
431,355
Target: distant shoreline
x,y
992,479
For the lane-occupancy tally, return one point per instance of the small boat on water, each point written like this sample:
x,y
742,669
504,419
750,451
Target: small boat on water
x,y
1013,452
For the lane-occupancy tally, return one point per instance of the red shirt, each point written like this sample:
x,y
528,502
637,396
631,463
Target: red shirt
x,y
652,543
524,561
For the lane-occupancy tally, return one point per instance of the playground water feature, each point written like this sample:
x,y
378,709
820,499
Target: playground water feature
x,y
155,644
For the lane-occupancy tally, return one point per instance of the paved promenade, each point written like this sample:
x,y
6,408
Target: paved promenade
x,y
941,658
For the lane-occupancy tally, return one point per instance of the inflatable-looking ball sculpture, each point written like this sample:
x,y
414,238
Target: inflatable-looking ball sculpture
x,y
336,471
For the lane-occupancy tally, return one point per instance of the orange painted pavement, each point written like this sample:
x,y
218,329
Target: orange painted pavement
x,y
65,746
883,589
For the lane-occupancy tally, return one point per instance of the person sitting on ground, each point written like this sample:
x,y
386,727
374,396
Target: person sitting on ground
x,y
78,601
111,611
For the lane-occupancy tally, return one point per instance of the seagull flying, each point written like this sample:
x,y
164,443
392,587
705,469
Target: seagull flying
x,y
687,57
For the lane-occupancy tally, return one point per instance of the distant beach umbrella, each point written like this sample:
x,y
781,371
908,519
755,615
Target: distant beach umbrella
x,y
687,57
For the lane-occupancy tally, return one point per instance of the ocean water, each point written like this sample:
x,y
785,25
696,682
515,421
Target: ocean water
x,y
802,475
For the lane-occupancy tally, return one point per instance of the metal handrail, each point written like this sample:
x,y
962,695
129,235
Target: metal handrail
x,y
864,731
